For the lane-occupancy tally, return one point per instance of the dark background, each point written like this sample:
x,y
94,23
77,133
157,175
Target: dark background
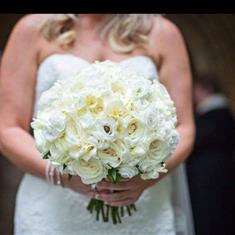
x,y
210,39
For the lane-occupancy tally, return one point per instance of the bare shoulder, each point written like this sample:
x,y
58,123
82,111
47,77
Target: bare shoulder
x,y
166,29
29,25
166,40
26,36
165,35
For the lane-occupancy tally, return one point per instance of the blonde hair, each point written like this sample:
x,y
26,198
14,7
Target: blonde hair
x,y
124,32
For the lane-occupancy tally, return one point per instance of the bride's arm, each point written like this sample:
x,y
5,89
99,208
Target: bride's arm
x,y
17,84
175,74
17,92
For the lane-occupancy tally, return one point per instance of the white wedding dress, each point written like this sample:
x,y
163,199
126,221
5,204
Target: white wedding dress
x,y
44,209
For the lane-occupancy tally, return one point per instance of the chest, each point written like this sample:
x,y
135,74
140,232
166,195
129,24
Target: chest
x,y
91,49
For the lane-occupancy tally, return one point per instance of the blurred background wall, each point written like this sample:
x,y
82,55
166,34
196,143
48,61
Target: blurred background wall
x,y
210,39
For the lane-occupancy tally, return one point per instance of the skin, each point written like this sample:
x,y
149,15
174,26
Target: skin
x,y
18,79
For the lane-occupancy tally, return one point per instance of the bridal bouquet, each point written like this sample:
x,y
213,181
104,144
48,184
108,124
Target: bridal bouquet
x,y
106,122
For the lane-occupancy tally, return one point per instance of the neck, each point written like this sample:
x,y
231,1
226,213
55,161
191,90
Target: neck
x,y
92,21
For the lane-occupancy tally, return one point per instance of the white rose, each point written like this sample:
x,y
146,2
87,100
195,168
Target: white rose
x,y
113,155
138,150
77,143
135,131
173,140
58,151
118,87
154,172
41,143
75,139
54,126
140,88
149,117
105,128
147,165
157,149
67,103
93,101
85,99
114,108
96,140
47,98
87,121
81,149
91,171
127,171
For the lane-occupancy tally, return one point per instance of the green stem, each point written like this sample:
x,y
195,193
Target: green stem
x,y
90,205
107,213
118,215
102,211
128,210
122,211
113,215
133,207
97,210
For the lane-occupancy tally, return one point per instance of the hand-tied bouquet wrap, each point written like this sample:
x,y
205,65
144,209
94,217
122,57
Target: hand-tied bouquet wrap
x,y
106,122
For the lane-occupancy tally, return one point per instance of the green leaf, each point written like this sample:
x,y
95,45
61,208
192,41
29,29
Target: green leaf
x,y
119,177
46,156
114,175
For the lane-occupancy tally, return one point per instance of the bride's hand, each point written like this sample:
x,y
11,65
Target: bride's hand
x,y
76,185
123,193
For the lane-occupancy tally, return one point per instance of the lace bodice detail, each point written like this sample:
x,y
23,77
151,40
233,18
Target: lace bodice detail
x,y
51,210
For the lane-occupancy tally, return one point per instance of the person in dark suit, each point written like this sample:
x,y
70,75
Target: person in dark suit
x,y
210,167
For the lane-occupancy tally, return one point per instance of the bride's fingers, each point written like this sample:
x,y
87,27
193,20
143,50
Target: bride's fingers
x,y
116,196
91,194
125,185
126,202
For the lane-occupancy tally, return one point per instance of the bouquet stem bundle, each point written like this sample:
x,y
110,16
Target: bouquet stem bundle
x,y
107,211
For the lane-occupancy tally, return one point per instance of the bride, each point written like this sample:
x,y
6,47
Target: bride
x,y
44,48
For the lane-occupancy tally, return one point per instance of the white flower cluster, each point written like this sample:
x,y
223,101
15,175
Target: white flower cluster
x,y
106,117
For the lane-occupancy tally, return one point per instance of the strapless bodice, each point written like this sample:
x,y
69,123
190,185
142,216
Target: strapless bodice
x,y
42,208
61,66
